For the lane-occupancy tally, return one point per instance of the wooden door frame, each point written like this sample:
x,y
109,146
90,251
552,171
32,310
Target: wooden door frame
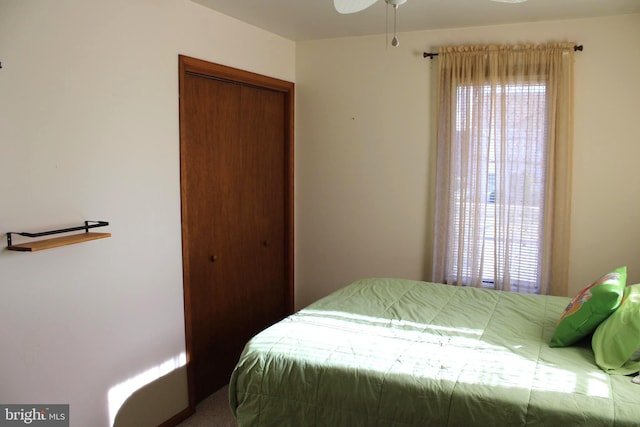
x,y
188,65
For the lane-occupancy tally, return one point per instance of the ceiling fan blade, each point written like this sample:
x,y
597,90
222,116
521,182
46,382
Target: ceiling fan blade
x,y
352,6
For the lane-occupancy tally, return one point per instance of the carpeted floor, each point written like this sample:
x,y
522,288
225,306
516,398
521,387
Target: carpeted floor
x,y
214,411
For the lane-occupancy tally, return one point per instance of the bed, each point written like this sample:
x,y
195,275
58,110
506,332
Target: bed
x,y
391,352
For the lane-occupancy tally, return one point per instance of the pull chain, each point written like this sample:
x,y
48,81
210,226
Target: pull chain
x,y
394,41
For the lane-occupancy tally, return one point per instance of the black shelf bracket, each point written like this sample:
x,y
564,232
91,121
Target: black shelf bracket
x,y
87,225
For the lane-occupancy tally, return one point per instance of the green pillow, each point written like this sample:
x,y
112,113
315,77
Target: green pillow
x,y
589,308
616,341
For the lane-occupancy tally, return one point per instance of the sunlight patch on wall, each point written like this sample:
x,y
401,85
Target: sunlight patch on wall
x,y
118,394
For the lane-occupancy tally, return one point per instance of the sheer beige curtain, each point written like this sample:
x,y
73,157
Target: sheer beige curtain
x,y
503,193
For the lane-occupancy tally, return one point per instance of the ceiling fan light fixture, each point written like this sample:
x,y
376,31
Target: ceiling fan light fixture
x,y
353,6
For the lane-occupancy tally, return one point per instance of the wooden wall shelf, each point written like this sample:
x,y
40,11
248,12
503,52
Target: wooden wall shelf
x,y
55,242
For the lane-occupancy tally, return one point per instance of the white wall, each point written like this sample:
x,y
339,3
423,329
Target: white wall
x,y
89,130
365,152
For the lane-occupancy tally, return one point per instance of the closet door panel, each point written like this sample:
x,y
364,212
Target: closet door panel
x,y
234,184
261,137
210,179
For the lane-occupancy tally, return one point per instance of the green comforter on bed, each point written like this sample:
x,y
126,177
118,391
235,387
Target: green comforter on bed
x,y
389,352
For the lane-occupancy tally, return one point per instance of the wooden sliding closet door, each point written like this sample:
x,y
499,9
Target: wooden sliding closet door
x,y
236,181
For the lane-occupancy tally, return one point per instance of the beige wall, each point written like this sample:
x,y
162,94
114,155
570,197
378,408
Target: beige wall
x,y
365,172
89,130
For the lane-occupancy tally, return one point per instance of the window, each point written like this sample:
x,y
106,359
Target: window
x,y
502,213
509,142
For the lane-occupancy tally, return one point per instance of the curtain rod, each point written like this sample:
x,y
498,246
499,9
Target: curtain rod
x,y
431,55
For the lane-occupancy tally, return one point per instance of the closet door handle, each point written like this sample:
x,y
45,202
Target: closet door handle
x,y
213,258
266,243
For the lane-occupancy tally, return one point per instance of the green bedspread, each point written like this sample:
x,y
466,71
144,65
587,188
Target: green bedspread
x,y
389,352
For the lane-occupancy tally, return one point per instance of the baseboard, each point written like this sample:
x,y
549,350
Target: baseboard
x,y
179,417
